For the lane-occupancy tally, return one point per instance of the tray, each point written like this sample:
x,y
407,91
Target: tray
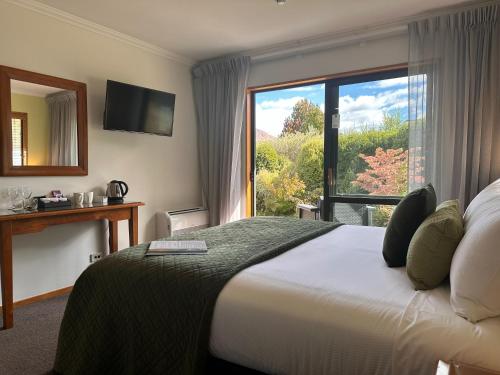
x,y
53,205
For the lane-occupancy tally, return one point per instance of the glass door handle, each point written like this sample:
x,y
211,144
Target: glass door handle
x,y
330,179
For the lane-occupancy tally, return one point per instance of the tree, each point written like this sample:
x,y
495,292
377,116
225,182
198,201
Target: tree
x,y
386,173
306,117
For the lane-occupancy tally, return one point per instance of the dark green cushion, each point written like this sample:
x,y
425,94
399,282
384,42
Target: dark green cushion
x,y
407,216
433,245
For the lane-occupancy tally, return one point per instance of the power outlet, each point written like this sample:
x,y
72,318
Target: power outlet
x,y
94,257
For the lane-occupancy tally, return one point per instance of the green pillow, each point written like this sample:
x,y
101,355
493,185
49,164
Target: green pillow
x,y
407,216
433,245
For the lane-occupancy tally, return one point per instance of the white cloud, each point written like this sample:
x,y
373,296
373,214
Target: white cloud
x,y
270,114
386,83
369,109
307,88
355,112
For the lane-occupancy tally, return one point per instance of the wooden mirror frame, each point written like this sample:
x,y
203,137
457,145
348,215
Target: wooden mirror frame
x,y
6,168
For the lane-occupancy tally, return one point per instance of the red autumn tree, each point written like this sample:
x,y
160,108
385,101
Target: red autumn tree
x,y
386,173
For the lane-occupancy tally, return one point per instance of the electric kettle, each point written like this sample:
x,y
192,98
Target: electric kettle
x,y
116,191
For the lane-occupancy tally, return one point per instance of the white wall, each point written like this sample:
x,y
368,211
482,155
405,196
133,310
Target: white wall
x,y
161,171
369,54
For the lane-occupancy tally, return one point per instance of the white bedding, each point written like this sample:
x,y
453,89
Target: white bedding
x,y
332,306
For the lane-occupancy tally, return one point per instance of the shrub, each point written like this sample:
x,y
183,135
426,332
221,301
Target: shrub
x,y
310,167
352,144
289,146
276,192
381,215
290,168
266,157
386,173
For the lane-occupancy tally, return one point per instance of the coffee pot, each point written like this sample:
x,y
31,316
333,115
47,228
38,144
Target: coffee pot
x,y
116,191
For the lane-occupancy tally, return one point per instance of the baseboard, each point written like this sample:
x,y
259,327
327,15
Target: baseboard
x,y
42,297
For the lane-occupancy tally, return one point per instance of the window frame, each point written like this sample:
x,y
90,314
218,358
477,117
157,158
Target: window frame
x,y
331,142
251,132
23,117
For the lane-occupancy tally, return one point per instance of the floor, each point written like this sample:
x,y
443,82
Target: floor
x,y
29,348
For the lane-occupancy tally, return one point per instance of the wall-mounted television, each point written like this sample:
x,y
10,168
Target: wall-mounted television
x,y
138,109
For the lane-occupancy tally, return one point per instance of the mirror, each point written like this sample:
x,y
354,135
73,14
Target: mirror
x,y
44,125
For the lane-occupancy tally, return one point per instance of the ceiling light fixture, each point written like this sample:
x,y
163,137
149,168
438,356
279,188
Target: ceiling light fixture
x,y
280,2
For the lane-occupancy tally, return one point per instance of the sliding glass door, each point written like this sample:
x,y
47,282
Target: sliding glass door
x,y
288,148
337,149
366,147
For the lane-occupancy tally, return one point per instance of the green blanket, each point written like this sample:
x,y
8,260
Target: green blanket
x,y
131,314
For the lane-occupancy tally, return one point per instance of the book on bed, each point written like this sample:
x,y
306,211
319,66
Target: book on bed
x,y
177,248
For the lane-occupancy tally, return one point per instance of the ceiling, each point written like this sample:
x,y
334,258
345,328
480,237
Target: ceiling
x,y
33,89
202,29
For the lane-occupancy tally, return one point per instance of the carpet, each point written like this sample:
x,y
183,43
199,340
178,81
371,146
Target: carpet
x,y
29,348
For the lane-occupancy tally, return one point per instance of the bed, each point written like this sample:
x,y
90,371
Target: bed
x,y
323,309
319,300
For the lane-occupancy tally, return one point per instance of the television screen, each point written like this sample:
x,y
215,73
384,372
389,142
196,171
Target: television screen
x,y
138,109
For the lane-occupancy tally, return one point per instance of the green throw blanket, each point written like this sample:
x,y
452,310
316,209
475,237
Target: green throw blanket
x,y
131,314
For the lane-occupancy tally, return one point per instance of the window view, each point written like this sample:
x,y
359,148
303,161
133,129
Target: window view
x,y
288,149
373,138
371,148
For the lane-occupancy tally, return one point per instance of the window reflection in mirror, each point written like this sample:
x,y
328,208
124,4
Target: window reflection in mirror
x,y
19,138
44,125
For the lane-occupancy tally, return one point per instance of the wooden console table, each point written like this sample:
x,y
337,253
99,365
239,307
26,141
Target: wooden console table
x,y
12,223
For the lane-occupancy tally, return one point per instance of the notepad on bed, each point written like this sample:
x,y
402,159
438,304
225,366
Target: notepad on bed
x,y
177,248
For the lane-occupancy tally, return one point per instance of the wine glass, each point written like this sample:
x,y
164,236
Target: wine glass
x,y
15,198
25,195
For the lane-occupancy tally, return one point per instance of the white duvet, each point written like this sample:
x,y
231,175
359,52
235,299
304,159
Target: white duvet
x,y
332,306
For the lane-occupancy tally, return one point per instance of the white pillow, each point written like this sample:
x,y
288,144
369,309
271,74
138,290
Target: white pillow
x,y
475,269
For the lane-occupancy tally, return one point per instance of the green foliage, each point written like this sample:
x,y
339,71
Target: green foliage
x,y
289,146
392,135
277,192
310,167
382,215
290,167
306,117
267,158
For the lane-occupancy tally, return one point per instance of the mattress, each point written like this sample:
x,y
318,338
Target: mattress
x,y
332,306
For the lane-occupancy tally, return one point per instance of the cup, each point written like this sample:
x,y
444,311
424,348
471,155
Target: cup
x,y
78,199
89,197
101,199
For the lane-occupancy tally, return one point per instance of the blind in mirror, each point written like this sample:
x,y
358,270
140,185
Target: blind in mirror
x,y
17,142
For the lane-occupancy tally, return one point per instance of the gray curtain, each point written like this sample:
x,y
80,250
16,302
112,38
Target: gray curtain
x,y
454,69
63,128
219,92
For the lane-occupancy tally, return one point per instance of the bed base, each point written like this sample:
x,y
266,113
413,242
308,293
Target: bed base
x,y
221,367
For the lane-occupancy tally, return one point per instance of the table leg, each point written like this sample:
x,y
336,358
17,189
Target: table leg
x,y
133,231
113,236
6,268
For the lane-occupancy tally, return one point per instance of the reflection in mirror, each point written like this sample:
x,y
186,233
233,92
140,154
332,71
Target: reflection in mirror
x,y
44,125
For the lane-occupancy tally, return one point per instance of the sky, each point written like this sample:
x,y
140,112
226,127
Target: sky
x,y
359,104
